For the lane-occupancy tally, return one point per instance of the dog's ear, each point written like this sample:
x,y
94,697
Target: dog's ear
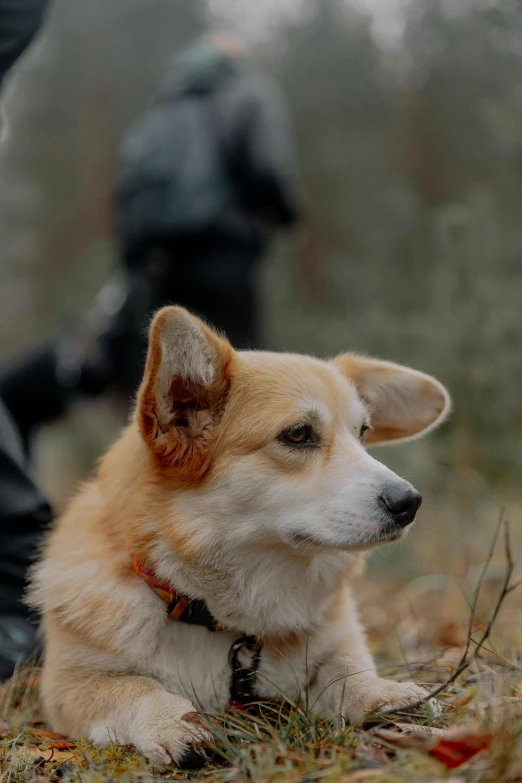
x,y
184,388
403,403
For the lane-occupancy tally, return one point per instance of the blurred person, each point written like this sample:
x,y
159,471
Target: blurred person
x,y
204,178
24,511
41,384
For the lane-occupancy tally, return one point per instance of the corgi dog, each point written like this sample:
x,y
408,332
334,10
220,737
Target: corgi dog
x,y
210,558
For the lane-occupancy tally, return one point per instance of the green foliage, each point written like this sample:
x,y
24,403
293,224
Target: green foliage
x,y
412,168
411,164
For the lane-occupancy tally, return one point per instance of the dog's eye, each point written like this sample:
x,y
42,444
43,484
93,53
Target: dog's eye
x,y
363,431
302,435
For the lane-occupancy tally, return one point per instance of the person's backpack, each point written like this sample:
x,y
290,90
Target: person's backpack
x,y
172,175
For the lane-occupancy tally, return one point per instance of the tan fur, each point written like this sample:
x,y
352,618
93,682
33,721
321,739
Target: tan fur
x,y
202,484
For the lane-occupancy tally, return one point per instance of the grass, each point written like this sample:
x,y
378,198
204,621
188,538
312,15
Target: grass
x,y
272,742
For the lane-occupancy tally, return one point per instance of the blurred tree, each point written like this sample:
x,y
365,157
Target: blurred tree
x,y
412,165
411,160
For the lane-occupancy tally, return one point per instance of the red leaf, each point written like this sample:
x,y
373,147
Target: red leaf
x,y
45,735
452,747
459,745
63,745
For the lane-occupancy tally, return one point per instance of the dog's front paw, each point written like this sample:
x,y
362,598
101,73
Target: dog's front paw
x,y
169,739
379,695
165,728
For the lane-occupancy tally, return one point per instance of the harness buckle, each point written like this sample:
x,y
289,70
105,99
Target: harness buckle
x,y
243,677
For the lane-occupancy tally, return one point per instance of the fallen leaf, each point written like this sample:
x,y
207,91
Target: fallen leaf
x,y
61,756
459,745
464,699
452,747
5,729
62,745
49,754
451,635
45,735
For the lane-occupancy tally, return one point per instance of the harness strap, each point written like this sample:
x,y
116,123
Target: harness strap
x,y
196,612
179,607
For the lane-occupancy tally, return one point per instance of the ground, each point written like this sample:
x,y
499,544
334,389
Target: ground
x,y
425,629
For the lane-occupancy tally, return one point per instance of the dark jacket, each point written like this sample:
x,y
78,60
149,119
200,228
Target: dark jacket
x,y
252,127
19,23
20,499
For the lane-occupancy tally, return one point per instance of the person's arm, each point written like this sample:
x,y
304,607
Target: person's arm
x,y
274,180
20,20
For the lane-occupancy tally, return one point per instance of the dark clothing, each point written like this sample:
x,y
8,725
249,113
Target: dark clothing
x,y
236,176
24,511
19,495
248,118
19,23
256,137
22,505
211,276
24,515
32,392
217,281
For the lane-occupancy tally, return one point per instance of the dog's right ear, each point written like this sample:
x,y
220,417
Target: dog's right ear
x,y
184,389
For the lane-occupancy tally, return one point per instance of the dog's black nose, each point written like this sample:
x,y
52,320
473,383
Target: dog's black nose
x,y
401,504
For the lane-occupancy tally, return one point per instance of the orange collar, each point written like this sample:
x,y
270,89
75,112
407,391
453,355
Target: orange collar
x,y
179,607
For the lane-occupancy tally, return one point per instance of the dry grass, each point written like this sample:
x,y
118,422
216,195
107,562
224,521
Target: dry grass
x,y
421,634
271,743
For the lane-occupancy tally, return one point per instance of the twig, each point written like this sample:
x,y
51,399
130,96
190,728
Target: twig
x,y
508,587
514,586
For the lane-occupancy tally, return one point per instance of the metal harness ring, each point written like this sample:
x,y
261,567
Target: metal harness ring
x,y
243,677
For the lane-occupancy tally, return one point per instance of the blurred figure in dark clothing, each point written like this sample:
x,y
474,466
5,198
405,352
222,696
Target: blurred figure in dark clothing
x,y
24,511
204,178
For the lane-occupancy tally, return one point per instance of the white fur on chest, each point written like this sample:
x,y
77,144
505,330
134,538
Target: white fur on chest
x,y
250,591
259,592
192,661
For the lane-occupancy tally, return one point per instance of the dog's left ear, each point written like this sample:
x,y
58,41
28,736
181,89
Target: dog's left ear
x,y
184,389
403,403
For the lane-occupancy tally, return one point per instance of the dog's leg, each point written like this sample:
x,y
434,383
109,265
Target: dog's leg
x,y
347,682
128,709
